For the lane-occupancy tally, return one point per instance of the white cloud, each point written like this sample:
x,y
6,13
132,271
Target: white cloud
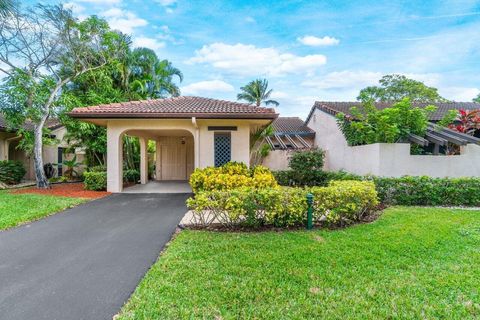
x,y
209,86
147,42
250,19
124,20
459,93
248,60
75,7
279,95
344,79
316,42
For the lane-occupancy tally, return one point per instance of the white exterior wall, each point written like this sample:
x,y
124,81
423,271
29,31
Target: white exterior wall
x,y
277,159
387,159
202,139
9,141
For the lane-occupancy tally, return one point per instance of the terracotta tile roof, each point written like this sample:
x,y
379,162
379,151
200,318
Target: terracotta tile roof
x,y
178,107
51,124
442,107
291,125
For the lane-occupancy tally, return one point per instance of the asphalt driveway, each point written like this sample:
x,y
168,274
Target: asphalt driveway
x,y
85,262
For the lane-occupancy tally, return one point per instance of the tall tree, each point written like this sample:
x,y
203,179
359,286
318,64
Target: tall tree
x,y
477,99
135,74
44,48
256,92
395,87
141,74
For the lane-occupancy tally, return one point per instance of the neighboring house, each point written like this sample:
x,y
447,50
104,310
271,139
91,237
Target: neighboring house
x,y
190,132
290,134
54,154
394,159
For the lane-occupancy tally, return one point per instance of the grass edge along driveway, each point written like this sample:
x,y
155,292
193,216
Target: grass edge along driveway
x,y
18,209
411,263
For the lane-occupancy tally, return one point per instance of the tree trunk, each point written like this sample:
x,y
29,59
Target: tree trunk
x,y
40,176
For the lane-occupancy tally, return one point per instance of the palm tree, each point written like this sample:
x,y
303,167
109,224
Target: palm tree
x,y
256,92
143,75
6,7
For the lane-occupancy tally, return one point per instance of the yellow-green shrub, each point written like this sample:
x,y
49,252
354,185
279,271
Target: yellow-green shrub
x,y
344,201
339,203
231,176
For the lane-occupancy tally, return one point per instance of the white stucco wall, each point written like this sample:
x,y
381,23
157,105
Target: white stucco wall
x,y
203,140
387,159
277,159
9,151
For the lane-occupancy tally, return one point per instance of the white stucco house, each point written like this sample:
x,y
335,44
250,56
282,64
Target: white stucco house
x,y
53,153
190,132
394,159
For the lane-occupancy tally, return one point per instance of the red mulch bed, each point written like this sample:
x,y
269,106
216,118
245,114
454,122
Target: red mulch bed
x,y
72,190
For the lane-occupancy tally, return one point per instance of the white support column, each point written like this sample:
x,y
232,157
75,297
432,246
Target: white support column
x,y
158,163
196,144
143,160
114,160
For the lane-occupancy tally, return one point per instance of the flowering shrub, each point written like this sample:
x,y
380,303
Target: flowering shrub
x,y
467,121
231,176
339,203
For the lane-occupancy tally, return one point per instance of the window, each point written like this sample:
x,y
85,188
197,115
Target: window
x,y
222,148
60,161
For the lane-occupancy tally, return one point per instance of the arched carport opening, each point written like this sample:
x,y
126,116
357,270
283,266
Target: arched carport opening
x,y
168,162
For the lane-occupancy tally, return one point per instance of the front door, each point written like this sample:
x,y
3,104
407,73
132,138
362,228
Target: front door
x,y
174,162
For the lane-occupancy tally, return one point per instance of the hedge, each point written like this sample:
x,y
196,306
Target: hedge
x,y
95,180
340,203
231,176
11,172
407,190
131,175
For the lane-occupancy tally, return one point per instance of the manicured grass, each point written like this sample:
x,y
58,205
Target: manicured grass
x,y
16,209
418,263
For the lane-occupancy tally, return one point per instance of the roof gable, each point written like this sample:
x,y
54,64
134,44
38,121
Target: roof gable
x,y
291,125
177,107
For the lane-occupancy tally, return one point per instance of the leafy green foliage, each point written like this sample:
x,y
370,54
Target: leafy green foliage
x,y
70,173
137,74
303,163
256,92
95,181
131,175
412,263
232,175
11,172
341,202
395,87
370,125
477,99
407,190
427,191
306,169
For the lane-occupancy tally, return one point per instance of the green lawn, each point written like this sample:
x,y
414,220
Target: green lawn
x,y
16,209
418,263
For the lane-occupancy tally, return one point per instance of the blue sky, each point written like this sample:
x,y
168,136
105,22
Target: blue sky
x,y
308,50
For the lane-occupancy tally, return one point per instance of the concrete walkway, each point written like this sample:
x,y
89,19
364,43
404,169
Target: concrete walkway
x,y
85,262
160,187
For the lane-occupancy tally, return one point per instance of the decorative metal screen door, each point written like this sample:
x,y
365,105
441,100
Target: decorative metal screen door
x,y
223,150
